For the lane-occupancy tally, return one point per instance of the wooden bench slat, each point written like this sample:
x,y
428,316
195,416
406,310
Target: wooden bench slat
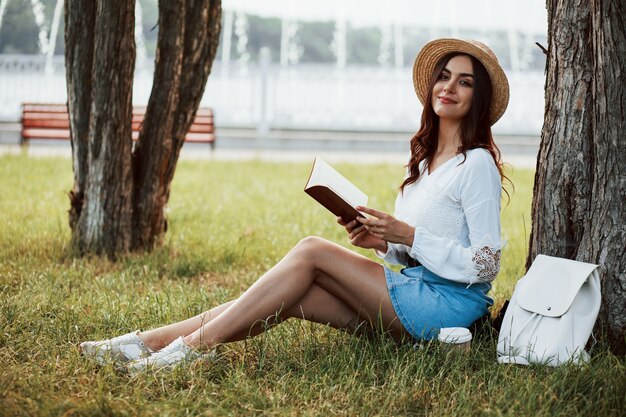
x,y
46,123
59,134
202,111
46,133
43,107
39,115
202,129
44,116
191,137
203,120
200,137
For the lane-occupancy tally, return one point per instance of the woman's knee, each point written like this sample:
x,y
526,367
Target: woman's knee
x,y
311,247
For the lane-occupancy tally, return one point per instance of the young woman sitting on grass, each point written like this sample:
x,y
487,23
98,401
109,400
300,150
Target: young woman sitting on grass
x,y
445,231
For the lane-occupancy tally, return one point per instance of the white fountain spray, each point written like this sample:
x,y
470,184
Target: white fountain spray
x,y
241,27
398,44
140,37
338,44
512,39
3,6
339,49
290,49
40,20
53,36
384,49
295,49
227,37
284,42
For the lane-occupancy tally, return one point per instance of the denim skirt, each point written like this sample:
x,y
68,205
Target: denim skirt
x,y
426,302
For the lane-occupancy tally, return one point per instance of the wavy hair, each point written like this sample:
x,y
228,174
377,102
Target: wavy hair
x,y
475,130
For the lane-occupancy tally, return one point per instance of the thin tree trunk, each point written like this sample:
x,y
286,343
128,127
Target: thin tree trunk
x,y
206,18
578,207
79,41
156,142
188,38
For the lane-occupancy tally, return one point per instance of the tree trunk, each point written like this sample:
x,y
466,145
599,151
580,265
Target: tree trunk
x,y
119,195
156,143
79,38
188,38
101,61
578,209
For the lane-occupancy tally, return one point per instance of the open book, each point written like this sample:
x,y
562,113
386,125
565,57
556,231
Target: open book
x,y
334,191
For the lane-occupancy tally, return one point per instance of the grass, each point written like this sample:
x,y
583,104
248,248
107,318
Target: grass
x,y
228,222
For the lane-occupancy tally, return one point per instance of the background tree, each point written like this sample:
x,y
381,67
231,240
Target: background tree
x,y
578,208
120,191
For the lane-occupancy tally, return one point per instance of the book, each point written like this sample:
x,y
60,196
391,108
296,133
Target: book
x,y
333,191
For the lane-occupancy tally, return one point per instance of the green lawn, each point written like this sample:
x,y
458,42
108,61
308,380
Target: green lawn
x,y
228,222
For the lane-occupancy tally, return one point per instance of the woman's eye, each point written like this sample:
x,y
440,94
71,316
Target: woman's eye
x,y
443,77
466,83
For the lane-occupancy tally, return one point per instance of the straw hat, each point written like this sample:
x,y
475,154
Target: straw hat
x,y
433,51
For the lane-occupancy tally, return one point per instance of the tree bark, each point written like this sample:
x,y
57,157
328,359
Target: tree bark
x,y
80,19
188,38
578,209
156,142
119,194
103,170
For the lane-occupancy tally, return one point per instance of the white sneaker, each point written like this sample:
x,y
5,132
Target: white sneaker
x,y
173,354
118,350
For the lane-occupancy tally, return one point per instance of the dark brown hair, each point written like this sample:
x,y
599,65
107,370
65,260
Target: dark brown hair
x,y
475,126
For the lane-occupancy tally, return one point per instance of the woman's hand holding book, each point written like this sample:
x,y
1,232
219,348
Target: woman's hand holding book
x,y
359,236
386,227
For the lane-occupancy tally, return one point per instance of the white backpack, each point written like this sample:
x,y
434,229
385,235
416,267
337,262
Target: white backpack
x,y
551,314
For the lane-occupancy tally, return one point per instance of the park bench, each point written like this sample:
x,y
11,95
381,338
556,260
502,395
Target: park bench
x,y
51,121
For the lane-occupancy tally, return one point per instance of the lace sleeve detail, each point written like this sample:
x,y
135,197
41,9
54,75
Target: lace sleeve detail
x,y
484,265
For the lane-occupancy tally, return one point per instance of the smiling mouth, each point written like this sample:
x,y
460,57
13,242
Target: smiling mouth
x,y
445,100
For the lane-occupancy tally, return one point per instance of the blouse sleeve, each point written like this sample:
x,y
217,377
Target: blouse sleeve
x,y
480,192
394,255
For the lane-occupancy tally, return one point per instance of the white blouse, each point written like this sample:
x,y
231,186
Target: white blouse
x,y
456,214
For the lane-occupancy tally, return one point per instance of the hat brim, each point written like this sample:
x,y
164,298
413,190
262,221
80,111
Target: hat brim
x,y
432,53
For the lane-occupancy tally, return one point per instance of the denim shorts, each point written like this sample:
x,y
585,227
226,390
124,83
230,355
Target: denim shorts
x,y
426,302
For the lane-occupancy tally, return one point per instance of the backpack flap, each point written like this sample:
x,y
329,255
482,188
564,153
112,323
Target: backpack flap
x,y
551,284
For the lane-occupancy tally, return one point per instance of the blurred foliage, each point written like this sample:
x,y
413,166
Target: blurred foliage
x,y
363,45
263,32
19,32
316,38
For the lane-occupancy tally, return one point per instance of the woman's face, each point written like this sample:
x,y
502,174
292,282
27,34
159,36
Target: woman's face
x,y
454,88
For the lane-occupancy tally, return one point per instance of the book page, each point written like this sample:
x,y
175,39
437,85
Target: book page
x,y
324,174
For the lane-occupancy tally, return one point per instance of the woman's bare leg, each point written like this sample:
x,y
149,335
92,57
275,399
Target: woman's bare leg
x,y
317,305
356,281
160,337
334,313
